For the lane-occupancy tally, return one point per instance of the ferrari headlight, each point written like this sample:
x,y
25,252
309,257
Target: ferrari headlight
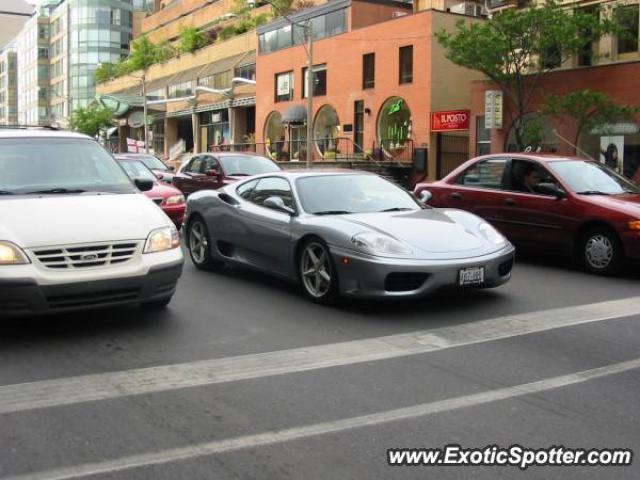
x,y
491,234
162,239
11,254
377,243
175,200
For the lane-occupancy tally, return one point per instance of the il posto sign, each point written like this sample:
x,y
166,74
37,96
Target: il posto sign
x,y
450,120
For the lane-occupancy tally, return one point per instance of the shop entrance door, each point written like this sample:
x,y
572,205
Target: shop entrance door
x,y
453,151
358,126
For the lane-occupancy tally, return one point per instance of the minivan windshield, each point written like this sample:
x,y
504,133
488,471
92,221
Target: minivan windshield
x,y
59,165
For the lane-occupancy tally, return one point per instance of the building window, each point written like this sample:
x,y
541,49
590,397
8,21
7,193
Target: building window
x,y
220,80
180,90
552,57
323,26
43,53
483,137
368,70
246,71
326,131
628,18
319,80
274,136
284,87
395,126
406,64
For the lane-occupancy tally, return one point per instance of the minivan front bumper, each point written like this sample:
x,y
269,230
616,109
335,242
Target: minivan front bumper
x,y
25,296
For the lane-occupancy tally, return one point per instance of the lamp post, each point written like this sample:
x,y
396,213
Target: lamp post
x,y
308,32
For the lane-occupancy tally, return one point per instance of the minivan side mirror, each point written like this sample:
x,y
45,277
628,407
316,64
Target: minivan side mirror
x,y
550,189
143,184
276,203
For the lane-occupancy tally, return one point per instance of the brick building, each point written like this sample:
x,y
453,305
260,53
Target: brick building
x,y
379,74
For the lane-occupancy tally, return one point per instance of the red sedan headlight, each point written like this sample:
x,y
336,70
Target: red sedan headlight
x,y
175,200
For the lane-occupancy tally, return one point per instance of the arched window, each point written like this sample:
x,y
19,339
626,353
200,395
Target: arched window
x,y
326,131
274,135
394,126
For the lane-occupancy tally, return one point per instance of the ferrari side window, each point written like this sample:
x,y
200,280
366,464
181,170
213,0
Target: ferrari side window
x,y
272,187
485,174
245,189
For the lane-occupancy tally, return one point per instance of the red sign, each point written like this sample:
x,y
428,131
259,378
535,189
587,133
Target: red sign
x,y
450,120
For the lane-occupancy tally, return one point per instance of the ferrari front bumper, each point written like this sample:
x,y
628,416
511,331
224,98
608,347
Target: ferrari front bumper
x,y
361,275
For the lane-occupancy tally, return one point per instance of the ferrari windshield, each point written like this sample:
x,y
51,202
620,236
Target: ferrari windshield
x,y
358,193
246,165
591,178
56,165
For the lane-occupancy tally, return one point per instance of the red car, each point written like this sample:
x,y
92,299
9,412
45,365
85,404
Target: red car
x,y
210,171
170,199
562,204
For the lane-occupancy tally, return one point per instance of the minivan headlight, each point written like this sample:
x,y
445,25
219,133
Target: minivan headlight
x,y
162,239
11,254
377,243
491,234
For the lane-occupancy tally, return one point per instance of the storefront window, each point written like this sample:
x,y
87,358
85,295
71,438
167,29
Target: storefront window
x,y
326,131
274,136
483,137
615,144
215,125
538,135
394,126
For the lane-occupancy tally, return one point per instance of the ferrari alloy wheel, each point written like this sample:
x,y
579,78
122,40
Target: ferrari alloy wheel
x,y
601,252
199,248
317,274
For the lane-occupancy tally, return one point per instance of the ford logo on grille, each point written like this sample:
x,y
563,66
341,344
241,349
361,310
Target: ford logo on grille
x,y
89,256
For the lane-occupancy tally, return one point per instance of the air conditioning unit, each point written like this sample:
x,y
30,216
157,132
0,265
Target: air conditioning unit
x,y
398,13
469,9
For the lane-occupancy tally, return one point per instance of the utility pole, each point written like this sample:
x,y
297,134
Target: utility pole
x,y
309,31
144,106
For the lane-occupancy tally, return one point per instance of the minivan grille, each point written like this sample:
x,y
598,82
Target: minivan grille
x,y
87,256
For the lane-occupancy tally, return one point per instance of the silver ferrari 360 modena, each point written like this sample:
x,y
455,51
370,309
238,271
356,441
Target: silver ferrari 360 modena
x,y
344,233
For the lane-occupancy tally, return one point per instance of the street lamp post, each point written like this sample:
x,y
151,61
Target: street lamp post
x,y
308,30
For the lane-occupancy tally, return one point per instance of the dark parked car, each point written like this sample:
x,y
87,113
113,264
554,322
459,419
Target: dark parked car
x,y
162,171
553,203
210,171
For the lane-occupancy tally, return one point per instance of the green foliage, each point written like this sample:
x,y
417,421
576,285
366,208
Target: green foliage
x,y
90,120
518,46
192,39
106,72
244,25
589,109
281,6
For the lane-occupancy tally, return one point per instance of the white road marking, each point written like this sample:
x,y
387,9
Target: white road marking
x,y
298,433
103,386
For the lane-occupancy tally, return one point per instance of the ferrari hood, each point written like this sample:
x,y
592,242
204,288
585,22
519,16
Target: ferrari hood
x,y
429,232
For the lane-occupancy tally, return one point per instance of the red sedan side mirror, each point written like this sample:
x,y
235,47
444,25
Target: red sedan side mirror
x,y
212,173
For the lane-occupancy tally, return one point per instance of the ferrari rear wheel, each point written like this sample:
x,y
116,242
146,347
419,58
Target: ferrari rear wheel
x,y
199,248
317,275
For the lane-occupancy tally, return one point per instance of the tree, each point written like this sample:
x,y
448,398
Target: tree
x,y
588,109
90,120
519,46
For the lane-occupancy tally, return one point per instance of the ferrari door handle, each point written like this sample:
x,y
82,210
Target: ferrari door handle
x,y
509,201
456,196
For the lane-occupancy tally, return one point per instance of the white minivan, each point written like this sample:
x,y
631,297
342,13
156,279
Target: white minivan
x,y
75,231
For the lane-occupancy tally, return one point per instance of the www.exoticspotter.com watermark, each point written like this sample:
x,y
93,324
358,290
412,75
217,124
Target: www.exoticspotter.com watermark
x,y
514,456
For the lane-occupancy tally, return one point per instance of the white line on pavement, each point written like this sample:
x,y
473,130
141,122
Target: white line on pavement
x,y
298,433
103,386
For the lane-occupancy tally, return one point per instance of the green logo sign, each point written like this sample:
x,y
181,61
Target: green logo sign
x,y
395,107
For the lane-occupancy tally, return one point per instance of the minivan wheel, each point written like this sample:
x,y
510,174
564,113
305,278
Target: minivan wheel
x,y
318,278
600,251
199,246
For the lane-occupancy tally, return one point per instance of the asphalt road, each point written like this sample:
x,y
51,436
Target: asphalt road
x,y
241,378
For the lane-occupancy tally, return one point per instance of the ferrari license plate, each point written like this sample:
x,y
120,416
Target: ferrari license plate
x,y
471,276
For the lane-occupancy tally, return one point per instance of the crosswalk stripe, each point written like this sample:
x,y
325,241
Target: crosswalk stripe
x,y
103,386
313,430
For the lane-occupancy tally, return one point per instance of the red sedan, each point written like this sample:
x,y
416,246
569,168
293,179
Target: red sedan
x,y
210,171
170,199
563,204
